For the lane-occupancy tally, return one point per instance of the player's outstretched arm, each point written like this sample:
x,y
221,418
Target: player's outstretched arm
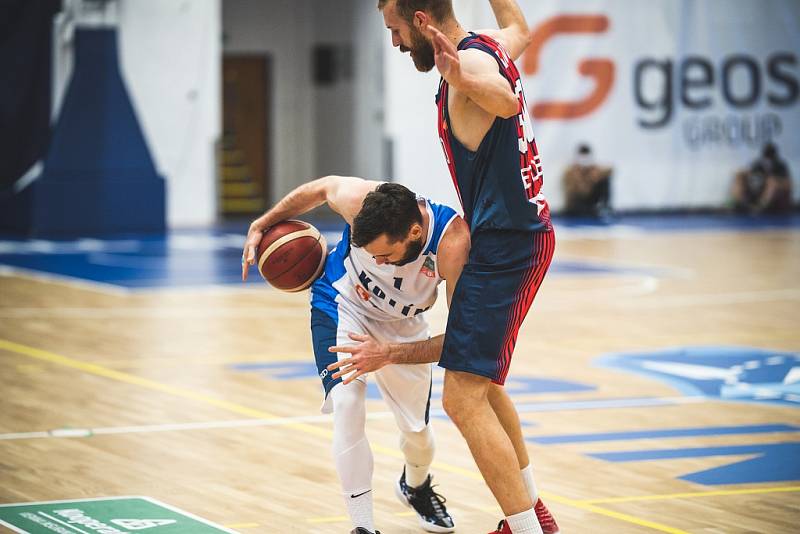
x,y
369,355
344,194
514,34
474,74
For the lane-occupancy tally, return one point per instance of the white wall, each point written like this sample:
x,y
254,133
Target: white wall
x,y
369,113
655,168
411,118
316,130
170,62
281,28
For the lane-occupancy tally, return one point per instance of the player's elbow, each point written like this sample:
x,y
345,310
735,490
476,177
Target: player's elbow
x,y
525,36
323,189
509,107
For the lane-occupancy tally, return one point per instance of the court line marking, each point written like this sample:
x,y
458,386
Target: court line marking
x,y
119,290
143,312
343,518
99,370
711,299
62,279
694,495
597,404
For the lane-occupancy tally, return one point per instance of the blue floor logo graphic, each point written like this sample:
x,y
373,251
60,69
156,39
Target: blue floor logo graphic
x,y
727,373
735,374
519,385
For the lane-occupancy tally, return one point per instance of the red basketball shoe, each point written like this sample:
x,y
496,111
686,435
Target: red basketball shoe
x,y
502,528
545,518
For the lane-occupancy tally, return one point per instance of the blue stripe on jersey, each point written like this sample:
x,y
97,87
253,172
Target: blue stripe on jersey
x,y
323,294
441,217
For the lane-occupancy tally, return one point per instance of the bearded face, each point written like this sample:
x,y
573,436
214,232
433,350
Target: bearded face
x,y
421,51
412,251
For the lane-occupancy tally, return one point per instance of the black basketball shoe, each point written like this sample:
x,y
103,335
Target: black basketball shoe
x,y
362,530
428,504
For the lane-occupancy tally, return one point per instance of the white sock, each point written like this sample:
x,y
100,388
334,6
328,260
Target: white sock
x,y
524,523
360,509
527,476
351,452
418,449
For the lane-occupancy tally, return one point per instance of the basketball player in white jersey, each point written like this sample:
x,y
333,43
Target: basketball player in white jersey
x,y
377,282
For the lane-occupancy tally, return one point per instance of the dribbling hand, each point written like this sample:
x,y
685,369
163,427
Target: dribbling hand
x,y
251,243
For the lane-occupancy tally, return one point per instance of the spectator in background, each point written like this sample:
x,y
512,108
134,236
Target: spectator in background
x,y
765,187
587,186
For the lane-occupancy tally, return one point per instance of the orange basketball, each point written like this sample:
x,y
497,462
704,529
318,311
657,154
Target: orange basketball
x,y
291,255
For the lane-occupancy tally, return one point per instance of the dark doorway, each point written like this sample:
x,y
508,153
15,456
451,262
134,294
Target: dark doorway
x,y
245,159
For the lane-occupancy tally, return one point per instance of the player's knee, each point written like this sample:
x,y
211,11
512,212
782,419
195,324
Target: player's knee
x,y
419,441
348,400
463,395
457,404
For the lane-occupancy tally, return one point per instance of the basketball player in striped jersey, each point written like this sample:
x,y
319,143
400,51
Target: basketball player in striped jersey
x,y
378,281
487,135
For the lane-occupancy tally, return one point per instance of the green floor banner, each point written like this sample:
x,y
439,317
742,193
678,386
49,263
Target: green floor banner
x,y
111,515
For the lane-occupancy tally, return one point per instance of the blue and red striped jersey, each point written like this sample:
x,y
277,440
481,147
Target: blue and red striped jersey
x,y
500,184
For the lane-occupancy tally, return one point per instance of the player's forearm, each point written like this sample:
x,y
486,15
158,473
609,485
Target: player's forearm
x,y
508,15
427,351
492,94
301,200
513,25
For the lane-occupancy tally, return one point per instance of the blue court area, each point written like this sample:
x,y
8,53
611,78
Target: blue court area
x,y
762,453
199,258
738,374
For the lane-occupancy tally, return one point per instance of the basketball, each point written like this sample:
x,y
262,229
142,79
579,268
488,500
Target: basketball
x,y
291,255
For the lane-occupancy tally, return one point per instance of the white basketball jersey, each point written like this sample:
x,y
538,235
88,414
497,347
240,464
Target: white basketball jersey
x,y
353,279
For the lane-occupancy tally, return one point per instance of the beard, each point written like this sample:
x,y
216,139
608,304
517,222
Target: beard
x,y
421,51
412,253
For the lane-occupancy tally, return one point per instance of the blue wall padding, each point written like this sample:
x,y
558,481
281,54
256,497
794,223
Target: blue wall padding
x,y
98,177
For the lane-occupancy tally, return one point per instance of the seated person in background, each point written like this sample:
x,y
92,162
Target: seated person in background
x,y
587,186
765,187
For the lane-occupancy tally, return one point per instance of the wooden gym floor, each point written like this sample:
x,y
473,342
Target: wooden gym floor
x,y
657,376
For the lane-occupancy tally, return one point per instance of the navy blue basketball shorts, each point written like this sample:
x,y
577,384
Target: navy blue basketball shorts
x,y
492,298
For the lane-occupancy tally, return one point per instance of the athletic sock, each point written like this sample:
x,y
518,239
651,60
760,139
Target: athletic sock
x,y
524,523
351,452
418,449
359,508
530,483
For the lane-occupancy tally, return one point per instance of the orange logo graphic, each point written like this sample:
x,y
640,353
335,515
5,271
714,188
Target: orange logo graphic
x,y
363,293
600,70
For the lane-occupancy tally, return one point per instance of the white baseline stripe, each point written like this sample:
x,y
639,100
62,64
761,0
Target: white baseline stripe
x,y
608,404
80,283
711,299
143,312
596,404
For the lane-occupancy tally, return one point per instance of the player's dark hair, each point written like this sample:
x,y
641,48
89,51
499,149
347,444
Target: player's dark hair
x,y
391,209
440,10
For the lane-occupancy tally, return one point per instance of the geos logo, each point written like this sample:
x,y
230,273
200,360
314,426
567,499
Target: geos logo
x,y
600,70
